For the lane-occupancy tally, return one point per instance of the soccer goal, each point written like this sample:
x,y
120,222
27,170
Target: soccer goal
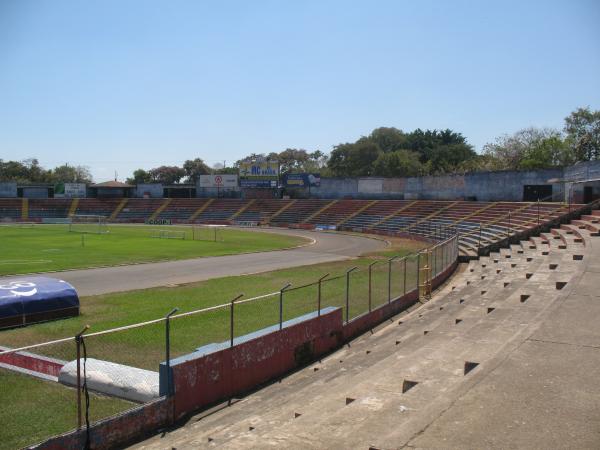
x,y
88,224
168,234
212,233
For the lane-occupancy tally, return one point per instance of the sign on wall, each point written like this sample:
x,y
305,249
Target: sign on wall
x,y
70,190
218,181
297,180
259,174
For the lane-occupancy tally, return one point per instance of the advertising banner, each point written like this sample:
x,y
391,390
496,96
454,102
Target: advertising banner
x,y
218,181
291,180
252,183
265,170
70,190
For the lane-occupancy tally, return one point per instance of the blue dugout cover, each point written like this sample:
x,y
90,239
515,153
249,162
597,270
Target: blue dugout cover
x,y
29,299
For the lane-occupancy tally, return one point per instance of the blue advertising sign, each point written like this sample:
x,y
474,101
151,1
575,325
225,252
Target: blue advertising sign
x,y
250,183
291,180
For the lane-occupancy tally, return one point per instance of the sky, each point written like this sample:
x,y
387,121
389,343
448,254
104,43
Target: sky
x,y
121,85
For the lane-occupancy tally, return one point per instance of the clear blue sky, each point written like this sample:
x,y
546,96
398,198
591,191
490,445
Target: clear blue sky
x,y
117,85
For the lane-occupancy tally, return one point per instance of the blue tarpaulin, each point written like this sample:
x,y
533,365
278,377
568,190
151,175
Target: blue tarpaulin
x,y
29,299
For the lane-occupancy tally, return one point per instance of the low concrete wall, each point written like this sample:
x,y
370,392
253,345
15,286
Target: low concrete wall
x,y
483,186
117,431
204,379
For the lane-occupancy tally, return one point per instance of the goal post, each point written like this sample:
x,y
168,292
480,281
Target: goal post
x,y
212,233
88,224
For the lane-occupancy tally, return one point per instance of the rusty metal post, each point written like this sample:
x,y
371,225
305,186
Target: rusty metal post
x,y
370,283
231,317
319,295
281,304
348,292
78,343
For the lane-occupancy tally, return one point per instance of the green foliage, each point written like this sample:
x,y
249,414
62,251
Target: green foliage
x,y
140,176
583,132
30,171
399,163
193,168
391,152
167,174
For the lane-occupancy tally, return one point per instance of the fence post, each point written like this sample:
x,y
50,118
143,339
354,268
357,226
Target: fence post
x,y
281,304
509,225
168,349
319,295
348,291
78,343
231,317
404,284
370,283
538,212
479,240
418,276
390,277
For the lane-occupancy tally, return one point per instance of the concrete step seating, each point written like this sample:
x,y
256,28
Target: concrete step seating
x,y
96,206
261,210
383,387
181,209
137,210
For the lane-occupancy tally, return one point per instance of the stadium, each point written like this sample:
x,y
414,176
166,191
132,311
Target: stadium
x,y
299,225
364,313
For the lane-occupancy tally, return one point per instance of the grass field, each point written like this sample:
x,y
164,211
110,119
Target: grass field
x,y
39,409
44,248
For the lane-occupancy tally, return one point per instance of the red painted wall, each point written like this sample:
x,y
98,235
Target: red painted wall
x,y
207,379
32,362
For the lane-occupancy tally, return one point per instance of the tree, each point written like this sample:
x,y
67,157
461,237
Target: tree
x,y
583,132
71,174
193,168
140,176
400,163
25,171
530,148
354,160
167,174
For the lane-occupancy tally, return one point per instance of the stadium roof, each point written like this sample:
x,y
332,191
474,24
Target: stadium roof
x,y
112,184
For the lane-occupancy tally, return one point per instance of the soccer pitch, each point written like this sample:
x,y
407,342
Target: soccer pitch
x,y
44,248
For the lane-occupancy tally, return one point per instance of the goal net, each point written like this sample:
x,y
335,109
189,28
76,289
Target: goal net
x,y
88,224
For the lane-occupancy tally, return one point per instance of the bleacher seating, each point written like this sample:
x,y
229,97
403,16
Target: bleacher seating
x,y
300,211
10,209
139,209
96,206
220,210
261,210
42,209
181,209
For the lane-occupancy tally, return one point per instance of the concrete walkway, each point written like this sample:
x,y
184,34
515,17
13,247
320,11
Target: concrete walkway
x,y
507,355
325,247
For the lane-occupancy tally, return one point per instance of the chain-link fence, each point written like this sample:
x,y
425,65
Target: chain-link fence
x,y
118,369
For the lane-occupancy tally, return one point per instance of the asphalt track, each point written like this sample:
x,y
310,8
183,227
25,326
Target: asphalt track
x,y
325,247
